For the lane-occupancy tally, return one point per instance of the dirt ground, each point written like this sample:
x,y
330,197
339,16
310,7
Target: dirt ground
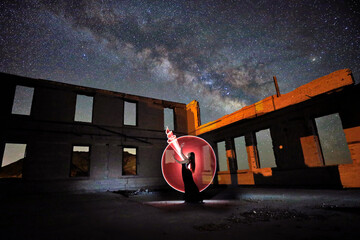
x,y
227,213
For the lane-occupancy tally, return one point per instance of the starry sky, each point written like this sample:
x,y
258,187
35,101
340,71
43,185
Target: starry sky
x,y
221,53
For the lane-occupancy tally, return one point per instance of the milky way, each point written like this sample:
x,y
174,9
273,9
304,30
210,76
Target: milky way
x,y
221,53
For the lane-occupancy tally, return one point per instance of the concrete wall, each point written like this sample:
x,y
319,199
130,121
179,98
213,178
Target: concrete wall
x,y
108,110
53,105
50,133
295,141
350,118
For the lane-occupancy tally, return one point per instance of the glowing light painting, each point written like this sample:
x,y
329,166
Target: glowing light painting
x,y
204,157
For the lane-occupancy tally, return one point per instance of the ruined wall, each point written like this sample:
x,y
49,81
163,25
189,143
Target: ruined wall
x,y
350,118
295,143
50,132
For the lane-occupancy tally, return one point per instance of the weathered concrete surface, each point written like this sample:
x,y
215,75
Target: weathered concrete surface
x,y
325,84
193,116
290,119
228,214
50,132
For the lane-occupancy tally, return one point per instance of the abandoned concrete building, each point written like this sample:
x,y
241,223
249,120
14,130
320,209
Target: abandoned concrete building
x,y
70,138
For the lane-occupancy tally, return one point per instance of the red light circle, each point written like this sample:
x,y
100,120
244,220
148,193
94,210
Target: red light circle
x,y
205,161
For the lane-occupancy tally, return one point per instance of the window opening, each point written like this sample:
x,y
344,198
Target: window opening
x,y
241,154
22,100
332,140
169,118
221,151
12,161
129,161
84,108
129,113
80,161
265,149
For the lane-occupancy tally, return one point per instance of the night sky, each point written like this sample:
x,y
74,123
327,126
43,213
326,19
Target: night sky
x,y
221,53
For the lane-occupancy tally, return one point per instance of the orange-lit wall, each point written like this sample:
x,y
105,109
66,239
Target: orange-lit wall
x,y
290,118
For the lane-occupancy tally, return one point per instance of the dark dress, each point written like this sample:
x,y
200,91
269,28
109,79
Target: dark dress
x,y
192,194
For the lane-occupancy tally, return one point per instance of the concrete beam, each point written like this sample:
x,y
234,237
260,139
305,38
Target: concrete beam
x,y
326,84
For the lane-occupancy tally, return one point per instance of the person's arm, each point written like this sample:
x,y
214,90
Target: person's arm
x,y
181,162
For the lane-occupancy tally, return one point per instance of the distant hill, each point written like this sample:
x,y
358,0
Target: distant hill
x,y
13,170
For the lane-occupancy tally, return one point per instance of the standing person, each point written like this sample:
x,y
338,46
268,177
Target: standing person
x,y
192,194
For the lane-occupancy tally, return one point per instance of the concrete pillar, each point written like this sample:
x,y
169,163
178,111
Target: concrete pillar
x,y
231,160
193,117
7,94
180,120
251,149
311,146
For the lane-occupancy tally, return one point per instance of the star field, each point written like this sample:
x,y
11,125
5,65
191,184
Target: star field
x,y
221,53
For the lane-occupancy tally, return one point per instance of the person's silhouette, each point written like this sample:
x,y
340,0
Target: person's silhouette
x,y
192,194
